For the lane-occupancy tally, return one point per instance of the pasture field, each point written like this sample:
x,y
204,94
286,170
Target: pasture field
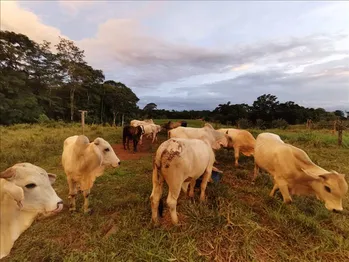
x,y
239,222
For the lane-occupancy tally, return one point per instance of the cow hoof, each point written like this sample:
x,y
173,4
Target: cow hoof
x,y
89,211
287,201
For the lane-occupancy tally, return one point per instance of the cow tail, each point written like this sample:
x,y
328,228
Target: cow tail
x,y
156,179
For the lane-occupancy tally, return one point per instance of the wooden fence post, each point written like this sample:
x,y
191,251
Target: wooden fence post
x,y
309,124
340,127
83,120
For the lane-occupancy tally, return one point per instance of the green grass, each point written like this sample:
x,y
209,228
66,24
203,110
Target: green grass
x,y
239,222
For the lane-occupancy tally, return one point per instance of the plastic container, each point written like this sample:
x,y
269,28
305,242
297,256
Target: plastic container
x,y
216,177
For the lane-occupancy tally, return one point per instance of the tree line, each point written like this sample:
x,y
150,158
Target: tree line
x,y
37,83
40,82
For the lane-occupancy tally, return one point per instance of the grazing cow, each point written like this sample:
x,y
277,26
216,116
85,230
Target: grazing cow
x,y
134,133
295,174
180,161
242,141
172,125
139,122
83,162
25,192
215,138
151,130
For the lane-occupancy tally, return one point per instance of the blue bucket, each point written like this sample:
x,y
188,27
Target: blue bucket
x,y
216,177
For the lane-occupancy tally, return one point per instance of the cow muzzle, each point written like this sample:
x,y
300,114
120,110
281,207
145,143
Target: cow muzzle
x,y
116,164
59,207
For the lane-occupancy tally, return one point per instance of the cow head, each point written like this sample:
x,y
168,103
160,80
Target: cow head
x,y
36,184
106,153
330,188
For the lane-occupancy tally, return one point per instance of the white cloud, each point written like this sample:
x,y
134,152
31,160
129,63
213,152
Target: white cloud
x,y
15,18
74,7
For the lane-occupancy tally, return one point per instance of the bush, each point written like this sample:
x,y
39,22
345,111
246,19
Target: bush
x,y
43,119
261,124
244,123
279,123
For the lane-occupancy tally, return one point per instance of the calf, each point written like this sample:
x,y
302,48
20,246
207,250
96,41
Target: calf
x,y
83,162
25,192
241,140
151,130
295,174
133,133
180,161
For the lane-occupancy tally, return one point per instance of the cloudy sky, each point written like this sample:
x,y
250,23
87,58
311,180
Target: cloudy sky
x,y
195,55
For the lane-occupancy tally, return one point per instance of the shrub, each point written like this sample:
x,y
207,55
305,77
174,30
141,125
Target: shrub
x,y
261,124
43,119
279,123
244,123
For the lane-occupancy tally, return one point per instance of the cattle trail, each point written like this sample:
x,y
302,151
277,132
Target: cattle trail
x,y
143,150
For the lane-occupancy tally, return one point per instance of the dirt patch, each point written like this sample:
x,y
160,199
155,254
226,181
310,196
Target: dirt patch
x,y
146,149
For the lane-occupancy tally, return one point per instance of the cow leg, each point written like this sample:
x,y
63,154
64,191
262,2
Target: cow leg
x,y
153,138
192,187
128,143
206,177
284,191
155,196
72,194
236,155
86,194
173,194
272,192
135,144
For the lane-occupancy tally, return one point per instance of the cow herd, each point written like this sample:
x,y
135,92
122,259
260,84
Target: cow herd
x,y
187,155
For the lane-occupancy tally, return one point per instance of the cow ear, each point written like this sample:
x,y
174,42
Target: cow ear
x,y
323,176
13,190
52,177
310,174
8,173
96,141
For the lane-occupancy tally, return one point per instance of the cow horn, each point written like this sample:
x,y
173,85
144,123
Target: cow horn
x,y
8,173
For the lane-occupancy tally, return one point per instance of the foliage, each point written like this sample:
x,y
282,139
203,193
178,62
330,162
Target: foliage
x,y
35,81
244,123
279,123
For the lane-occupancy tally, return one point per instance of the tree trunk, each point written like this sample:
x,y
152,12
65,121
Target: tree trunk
x,y
72,92
114,118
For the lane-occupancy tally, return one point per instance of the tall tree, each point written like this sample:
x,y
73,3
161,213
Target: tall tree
x,y
149,108
74,68
265,107
119,99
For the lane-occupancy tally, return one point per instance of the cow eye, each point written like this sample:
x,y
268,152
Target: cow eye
x,y
107,150
328,189
30,186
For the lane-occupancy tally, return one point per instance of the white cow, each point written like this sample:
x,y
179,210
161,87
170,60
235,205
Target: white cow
x,y
295,174
83,162
25,192
140,122
150,130
216,139
180,161
242,141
